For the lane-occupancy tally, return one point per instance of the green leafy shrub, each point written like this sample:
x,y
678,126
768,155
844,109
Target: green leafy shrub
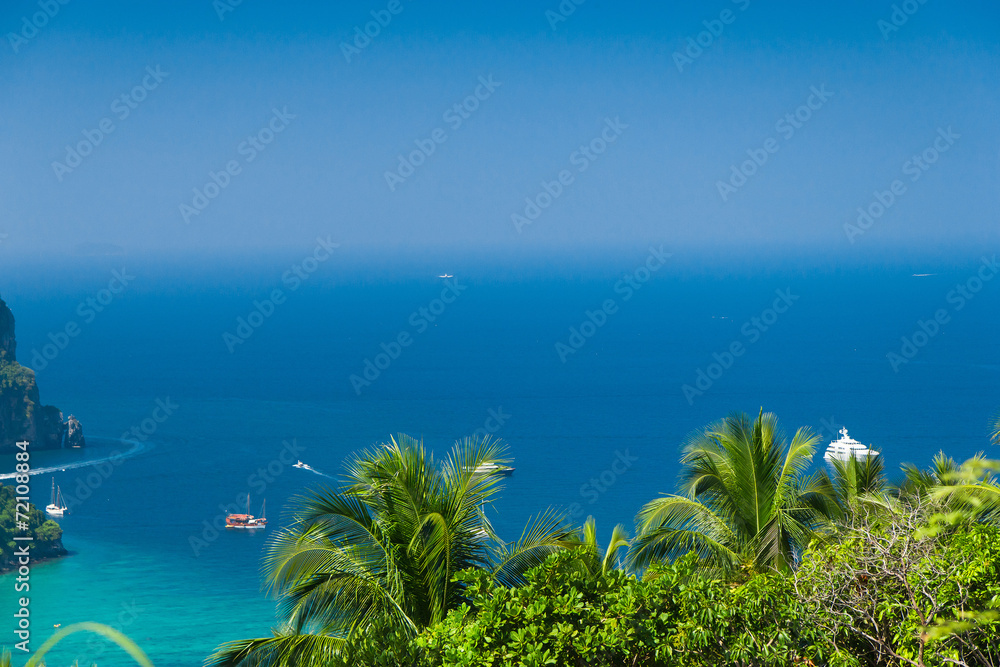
x,y
673,616
47,534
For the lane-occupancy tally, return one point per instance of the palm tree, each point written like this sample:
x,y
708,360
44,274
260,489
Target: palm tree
x,y
856,481
919,483
747,501
969,490
995,437
378,555
596,561
972,491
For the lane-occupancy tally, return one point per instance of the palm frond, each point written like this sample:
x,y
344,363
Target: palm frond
x,y
544,535
281,650
619,541
673,525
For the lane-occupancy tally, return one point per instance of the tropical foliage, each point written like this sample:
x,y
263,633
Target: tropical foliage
x,y
746,499
674,616
857,482
378,555
46,534
891,592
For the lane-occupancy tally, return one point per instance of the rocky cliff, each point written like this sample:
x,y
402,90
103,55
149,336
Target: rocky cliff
x,y
22,416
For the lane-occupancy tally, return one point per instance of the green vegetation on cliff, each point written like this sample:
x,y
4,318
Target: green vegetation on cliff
x,y
17,404
22,417
47,534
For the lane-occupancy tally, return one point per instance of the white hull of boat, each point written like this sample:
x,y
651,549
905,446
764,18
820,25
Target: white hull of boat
x,y
844,457
845,448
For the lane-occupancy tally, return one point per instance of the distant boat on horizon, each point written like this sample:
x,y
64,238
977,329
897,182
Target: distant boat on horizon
x,y
248,520
299,464
446,275
58,506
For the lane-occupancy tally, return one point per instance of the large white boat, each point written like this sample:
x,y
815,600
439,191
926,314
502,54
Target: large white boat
x,y
846,447
58,506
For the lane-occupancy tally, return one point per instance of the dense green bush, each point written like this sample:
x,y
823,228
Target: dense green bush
x,y
672,616
888,589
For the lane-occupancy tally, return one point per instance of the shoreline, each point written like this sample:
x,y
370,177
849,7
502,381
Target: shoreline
x,y
36,561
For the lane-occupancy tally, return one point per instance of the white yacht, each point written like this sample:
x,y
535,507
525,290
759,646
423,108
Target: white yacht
x,y
846,447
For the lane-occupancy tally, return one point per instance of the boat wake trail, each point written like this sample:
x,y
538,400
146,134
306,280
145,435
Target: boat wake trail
x,y
137,448
306,466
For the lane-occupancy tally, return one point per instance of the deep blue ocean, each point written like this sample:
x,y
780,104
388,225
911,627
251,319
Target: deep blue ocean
x,y
142,557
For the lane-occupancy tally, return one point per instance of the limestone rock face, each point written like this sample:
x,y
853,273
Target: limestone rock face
x,y
8,346
74,433
22,416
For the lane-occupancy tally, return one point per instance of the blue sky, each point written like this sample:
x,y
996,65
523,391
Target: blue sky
x,y
611,70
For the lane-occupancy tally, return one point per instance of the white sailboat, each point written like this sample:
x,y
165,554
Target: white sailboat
x,y
58,506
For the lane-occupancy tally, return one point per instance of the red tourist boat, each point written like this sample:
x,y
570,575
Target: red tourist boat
x,y
248,520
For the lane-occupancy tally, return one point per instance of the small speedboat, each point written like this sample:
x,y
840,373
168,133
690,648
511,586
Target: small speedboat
x,y
299,464
494,469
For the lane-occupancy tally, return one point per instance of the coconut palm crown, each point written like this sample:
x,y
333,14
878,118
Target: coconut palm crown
x,y
746,501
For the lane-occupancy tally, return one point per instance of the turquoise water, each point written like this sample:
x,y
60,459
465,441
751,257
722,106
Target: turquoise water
x,y
490,357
